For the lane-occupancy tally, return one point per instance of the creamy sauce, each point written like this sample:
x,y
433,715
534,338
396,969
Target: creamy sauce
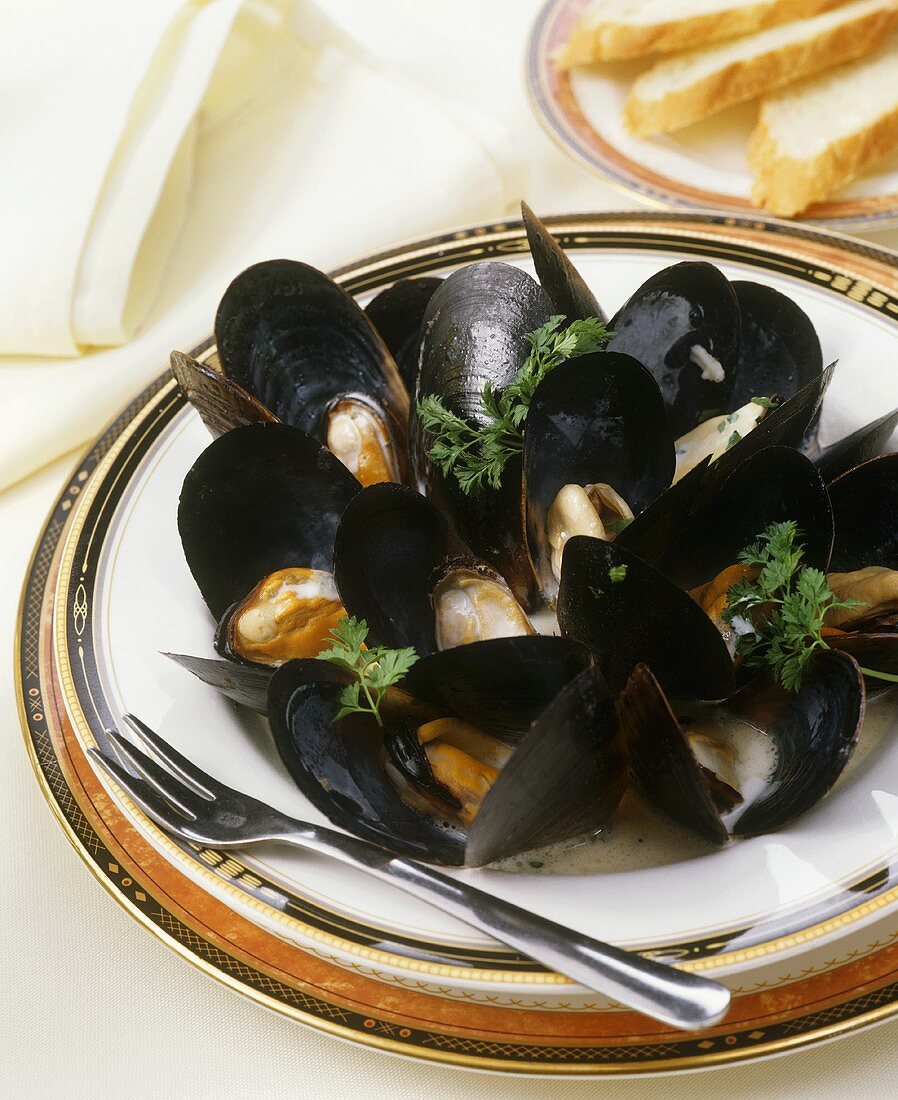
x,y
639,835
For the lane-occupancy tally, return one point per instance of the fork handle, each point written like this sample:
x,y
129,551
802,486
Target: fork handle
x,y
673,996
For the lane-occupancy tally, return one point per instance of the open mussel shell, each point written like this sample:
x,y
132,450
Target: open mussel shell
x,y
565,778
772,486
389,541
338,765
297,341
595,419
779,351
662,764
653,532
679,319
500,685
628,613
397,314
557,275
813,730
242,682
221,403
860,446
474,333
259,499
865,509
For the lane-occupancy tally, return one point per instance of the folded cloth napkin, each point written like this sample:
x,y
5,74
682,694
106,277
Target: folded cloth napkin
x,y
154,149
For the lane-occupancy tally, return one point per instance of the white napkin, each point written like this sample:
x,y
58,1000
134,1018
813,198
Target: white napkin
x,y
304,146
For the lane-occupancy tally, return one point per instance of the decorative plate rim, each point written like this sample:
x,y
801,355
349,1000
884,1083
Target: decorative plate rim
x,y
56,526
573,135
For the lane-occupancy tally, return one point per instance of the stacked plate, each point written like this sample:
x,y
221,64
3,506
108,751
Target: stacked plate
x,y
803,925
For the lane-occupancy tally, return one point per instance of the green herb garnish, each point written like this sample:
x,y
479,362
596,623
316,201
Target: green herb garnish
x,y
617,573
764,402
779,615
733,440
477,456
597,592
377,668
619,525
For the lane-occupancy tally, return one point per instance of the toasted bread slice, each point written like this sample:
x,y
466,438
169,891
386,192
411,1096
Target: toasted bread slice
x,y
610,30
684,89
815,137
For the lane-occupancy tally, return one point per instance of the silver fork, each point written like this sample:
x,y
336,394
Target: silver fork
x,y
191,804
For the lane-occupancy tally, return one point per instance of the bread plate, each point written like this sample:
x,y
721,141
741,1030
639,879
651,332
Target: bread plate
x,y
108,589
705,165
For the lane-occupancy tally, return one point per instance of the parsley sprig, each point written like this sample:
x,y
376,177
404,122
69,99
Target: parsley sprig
x,y
377,668
477,455
779,614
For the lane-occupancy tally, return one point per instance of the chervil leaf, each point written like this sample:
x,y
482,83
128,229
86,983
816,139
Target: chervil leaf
x,y
785,604
376,669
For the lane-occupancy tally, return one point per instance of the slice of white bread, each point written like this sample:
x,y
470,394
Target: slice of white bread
x,y
610,30
693,85
813,138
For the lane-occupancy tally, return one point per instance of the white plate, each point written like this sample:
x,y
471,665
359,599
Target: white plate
x,y
128,597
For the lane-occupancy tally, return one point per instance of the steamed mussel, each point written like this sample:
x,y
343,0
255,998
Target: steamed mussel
x,y
564,624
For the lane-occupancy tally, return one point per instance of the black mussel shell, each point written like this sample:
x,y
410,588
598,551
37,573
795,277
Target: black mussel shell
x,y
565,778
871,649
860,446
687,305
662,764
500,685
408,756
598,418
779,352
221,403
398,313
339,767
814,732
557,275
297,341
389,542
243,682
258,499
639,618
771,486
865,509
474,329
660,525
474,333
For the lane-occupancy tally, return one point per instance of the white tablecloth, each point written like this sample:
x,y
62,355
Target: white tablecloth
x,y
95,1007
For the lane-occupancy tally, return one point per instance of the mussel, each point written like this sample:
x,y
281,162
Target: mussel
x,y
221,403
258,516
389,541
779,350
683,325
296,341
445,790
398,314
686,766
657,529
771,486
474,333
564,284
597,451
864,564
627,613
472,602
